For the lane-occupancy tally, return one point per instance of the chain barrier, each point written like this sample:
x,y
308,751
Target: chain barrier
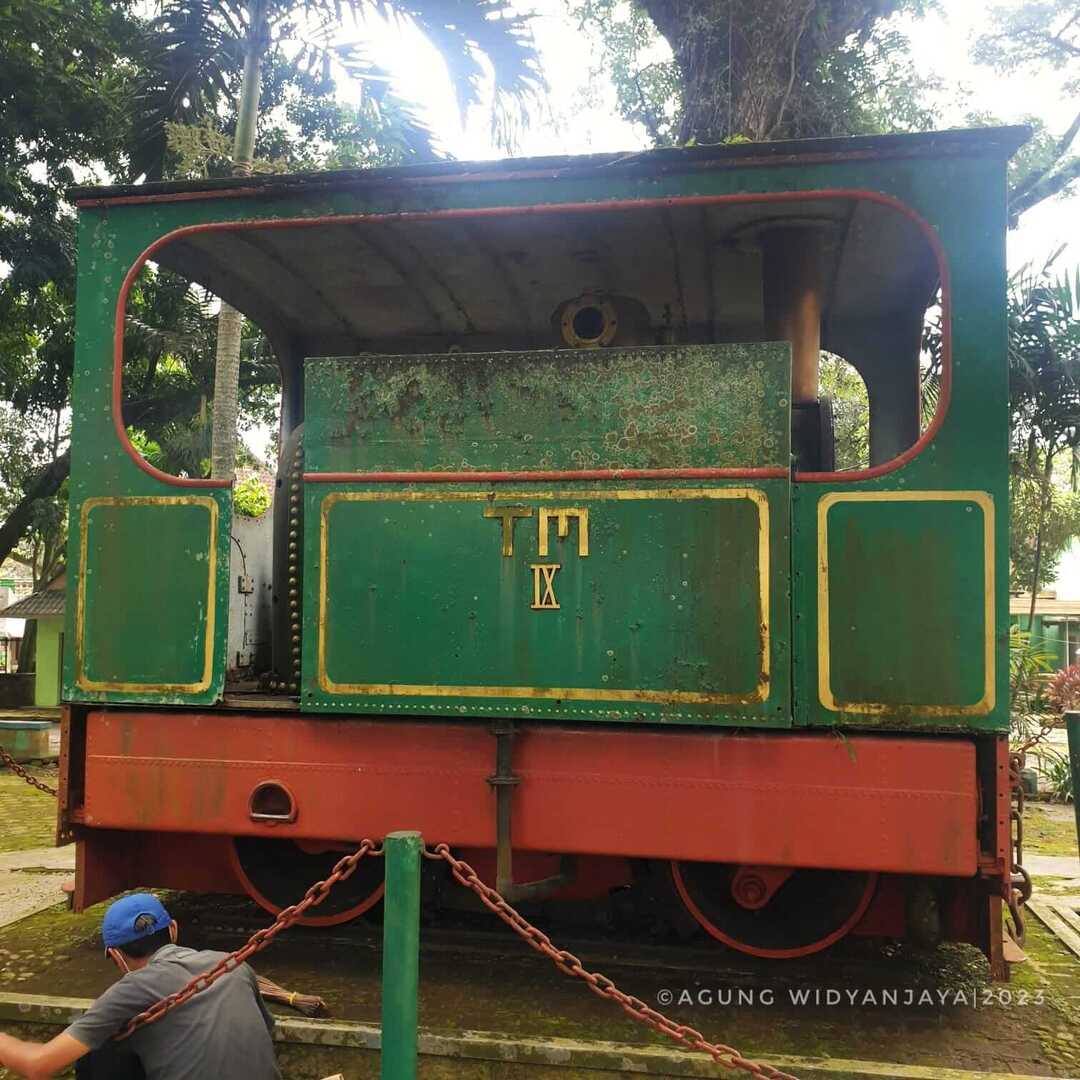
x,y
601,985
1019,884
18,770
256,943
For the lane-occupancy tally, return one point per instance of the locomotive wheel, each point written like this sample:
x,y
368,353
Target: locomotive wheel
x,y
807,912
277,873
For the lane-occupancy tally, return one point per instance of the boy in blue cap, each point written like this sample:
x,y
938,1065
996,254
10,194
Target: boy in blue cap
x,y
221,1032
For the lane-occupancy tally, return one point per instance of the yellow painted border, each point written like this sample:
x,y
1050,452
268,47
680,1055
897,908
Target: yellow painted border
x,y
81,679
825,694
662,697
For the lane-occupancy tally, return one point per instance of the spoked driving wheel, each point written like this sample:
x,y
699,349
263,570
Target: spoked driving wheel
x,y
277,873
775,912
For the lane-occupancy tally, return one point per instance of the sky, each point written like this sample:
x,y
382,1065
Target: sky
x,y
942,45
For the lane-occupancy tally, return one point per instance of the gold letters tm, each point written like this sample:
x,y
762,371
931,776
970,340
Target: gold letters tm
x,y
508,515
563,517
544,586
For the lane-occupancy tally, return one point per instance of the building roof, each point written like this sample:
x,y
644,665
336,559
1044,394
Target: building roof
x,y
37,605
1020,604
45,603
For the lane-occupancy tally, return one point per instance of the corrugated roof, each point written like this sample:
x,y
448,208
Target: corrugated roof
x,y
36,605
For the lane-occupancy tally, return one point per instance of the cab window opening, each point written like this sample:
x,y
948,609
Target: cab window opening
x,y
170,347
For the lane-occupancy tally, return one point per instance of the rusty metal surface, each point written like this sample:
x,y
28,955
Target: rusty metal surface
x,y
854,804
721,406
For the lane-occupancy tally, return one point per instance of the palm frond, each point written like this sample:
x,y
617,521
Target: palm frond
x,y
481,42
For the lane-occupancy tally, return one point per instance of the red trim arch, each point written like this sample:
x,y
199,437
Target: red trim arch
x,y
540,209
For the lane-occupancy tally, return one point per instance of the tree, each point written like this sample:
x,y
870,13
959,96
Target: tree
x,y
1030,502
64,79
1038,34
1044,390
758,69
203,45
844,386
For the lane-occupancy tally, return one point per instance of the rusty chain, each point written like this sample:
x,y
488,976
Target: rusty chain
x,y
1019,881
601,985
256,943
18,770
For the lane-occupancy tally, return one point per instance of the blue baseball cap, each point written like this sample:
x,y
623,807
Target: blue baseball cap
x,y
118,926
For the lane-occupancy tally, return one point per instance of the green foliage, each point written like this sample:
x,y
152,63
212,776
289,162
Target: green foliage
x,y
169,348
838,380
251,497
193,68
1032,36
1029,664
1060,511
28,442
1044,359
1059,777
1044,406
638,63
757,69
1037,33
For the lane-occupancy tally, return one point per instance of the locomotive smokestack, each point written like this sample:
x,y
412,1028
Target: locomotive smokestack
x,y
793,273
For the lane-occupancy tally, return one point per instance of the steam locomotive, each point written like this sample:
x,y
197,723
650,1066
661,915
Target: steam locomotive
x,y
561,570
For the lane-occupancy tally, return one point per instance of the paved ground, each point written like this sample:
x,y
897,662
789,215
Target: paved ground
x,y
31,880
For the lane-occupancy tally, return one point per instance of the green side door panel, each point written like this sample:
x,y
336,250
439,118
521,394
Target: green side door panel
x,y
638,598
151,599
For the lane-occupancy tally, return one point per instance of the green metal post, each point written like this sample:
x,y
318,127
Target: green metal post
x,y
1072,724
401,954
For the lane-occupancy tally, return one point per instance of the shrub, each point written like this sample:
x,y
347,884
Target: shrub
x,y
251,498
1064,689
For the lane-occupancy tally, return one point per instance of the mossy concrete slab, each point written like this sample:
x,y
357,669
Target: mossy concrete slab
x,y
309,1048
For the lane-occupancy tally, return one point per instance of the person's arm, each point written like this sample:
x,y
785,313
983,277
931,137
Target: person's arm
x,y
39,1061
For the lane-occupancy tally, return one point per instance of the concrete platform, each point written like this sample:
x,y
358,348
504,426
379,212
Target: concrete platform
x,y
493,1056
25,739
491,1008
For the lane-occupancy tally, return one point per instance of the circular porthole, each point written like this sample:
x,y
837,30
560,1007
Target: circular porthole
x,y
589,322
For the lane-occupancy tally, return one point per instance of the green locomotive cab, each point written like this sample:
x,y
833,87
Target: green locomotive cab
x,y
557,477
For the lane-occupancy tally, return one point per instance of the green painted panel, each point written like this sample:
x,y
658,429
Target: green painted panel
x,y
723,406
908,604
654,604
147,605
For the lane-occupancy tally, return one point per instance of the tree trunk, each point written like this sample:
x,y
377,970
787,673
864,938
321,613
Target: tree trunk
x,y
28,648
223,437
748,67
1036,570
226,393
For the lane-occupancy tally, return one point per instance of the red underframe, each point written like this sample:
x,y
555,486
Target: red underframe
x,y
888,804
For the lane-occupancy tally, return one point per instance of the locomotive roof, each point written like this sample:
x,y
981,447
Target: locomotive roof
x,y
426,283
999,142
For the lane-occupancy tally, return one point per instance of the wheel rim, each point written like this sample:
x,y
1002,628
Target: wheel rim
x,y
277,873
791,924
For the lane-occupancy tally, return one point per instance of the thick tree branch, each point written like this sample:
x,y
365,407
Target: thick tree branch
x,y
1047,188
1036,175
19,520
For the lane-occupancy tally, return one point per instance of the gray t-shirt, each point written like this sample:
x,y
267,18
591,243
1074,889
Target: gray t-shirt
x,y
220,1032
